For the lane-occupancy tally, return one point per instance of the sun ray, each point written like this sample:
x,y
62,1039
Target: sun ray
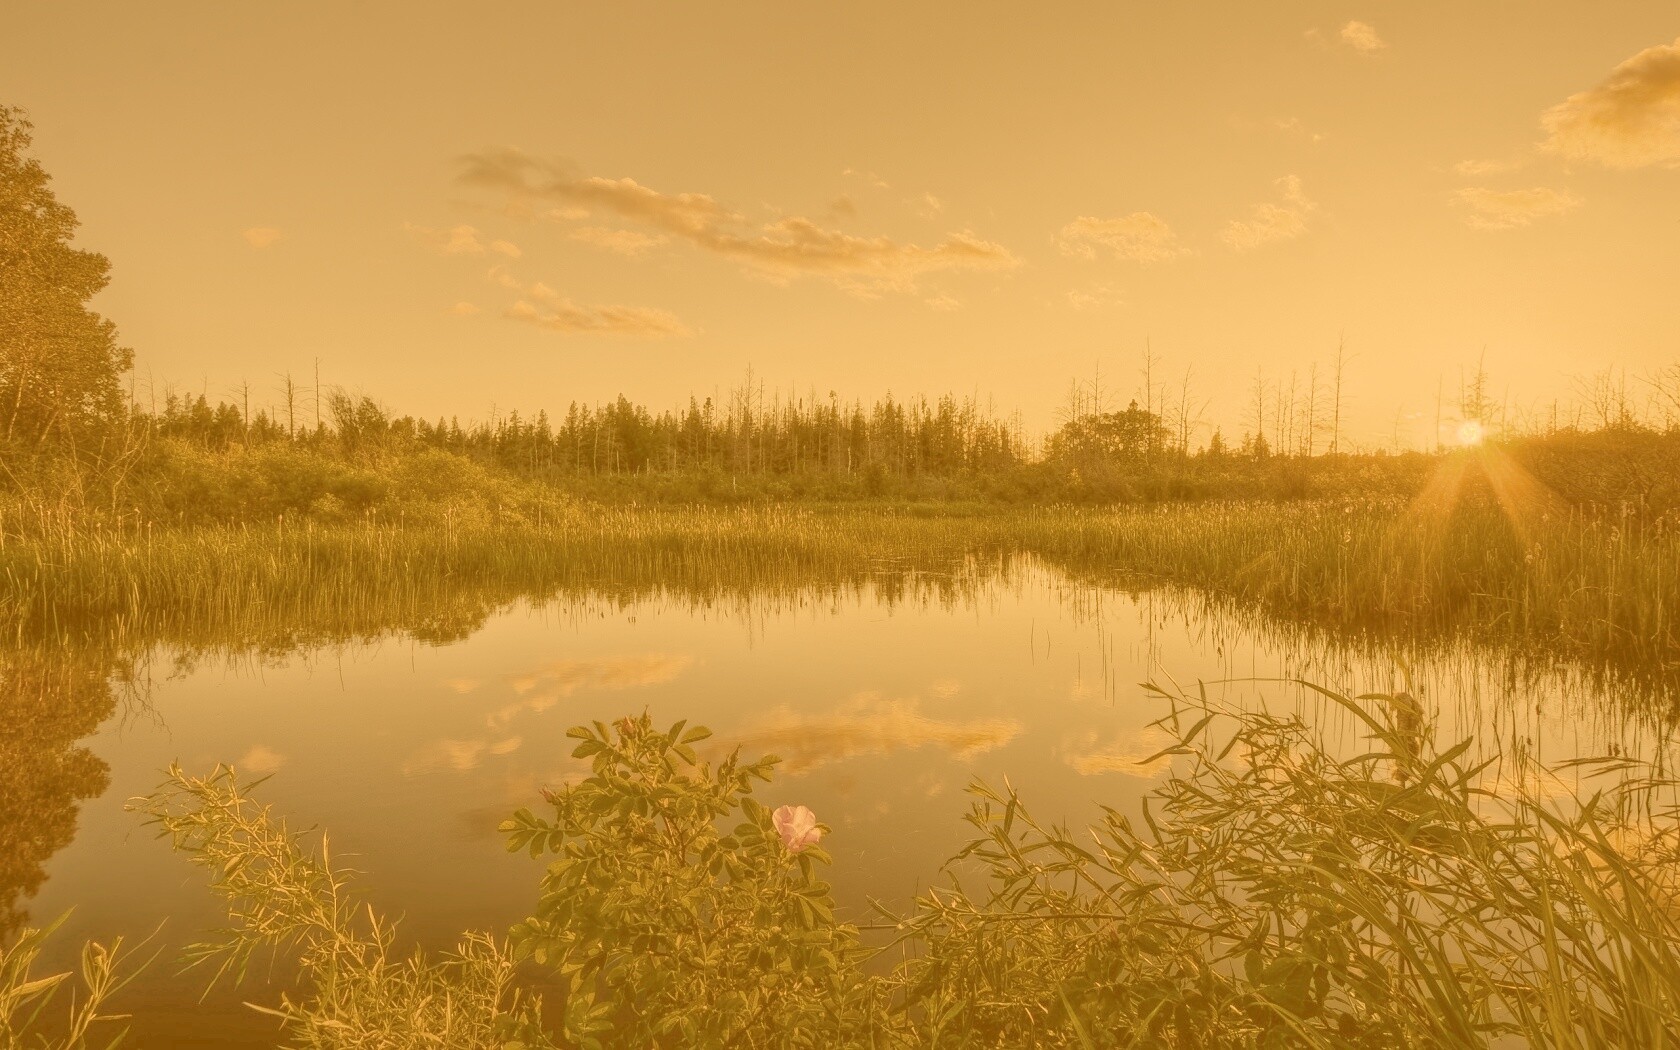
x,y
1524,498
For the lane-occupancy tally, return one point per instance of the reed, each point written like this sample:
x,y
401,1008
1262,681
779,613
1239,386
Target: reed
x,y
1594,587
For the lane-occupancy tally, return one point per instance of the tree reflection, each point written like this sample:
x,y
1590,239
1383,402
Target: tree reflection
x,y
49,700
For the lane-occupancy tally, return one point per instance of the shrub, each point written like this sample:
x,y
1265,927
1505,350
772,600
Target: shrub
x,y
667,932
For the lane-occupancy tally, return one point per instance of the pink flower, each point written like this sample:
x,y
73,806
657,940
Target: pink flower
x,y
797,826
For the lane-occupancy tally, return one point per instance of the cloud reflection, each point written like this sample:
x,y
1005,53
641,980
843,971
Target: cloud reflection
x,y
538,690
1130,753
868,725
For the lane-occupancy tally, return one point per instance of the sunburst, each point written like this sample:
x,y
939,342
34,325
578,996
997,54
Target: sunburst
x,y
1524,499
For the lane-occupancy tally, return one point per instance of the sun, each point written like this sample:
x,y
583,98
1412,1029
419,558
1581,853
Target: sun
x,y
1470,433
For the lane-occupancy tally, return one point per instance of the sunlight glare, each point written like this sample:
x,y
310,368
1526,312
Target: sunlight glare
x,y
1470,433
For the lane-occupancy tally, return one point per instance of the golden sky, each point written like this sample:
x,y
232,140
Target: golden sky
x,y
455,207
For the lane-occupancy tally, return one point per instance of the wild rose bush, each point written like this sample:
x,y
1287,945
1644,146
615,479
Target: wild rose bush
x,y
666,931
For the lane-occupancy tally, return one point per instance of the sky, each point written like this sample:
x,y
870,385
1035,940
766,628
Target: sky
x,y
465,209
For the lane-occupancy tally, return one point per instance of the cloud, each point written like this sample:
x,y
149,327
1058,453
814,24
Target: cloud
x,y
1510,209
624,242
563,315
789,246
464,309
1140,237
1631,120
944,302
1094,297
542,306
868,725
261,236
1294,126
927,206
460,240
1272,222
1477,168
1362,38
868,176
843,207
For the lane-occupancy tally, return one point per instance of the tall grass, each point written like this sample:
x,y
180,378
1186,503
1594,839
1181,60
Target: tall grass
x,y
1595,587
60,1011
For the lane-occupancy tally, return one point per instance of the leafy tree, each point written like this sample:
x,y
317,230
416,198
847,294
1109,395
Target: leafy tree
x,y
59,360
1106,437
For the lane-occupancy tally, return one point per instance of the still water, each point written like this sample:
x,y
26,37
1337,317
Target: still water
x,y
884,702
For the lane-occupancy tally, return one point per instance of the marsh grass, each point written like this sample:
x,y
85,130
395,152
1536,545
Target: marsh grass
x,y
1598,588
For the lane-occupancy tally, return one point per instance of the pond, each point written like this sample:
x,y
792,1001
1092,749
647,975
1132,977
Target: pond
x,y
884,697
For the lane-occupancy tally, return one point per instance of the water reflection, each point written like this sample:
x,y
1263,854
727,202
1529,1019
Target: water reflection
x,y
411,733
866,724
48,703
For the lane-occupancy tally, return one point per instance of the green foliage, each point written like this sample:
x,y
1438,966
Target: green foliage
x,y
1097,439
59,361
1274,893
286,896
78,1020
668,933
1277,894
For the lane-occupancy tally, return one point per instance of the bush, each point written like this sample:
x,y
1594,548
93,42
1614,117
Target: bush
x,y
667,932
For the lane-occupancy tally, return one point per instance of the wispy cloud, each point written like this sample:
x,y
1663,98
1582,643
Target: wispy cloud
x,y
927,206
1294,126
1140,237
538,304
869,177
260,237
1362,38
1630,120
1478,168
623,242
1271,221
559,314
460,240
1510,209
464,309
787,246
1094,297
